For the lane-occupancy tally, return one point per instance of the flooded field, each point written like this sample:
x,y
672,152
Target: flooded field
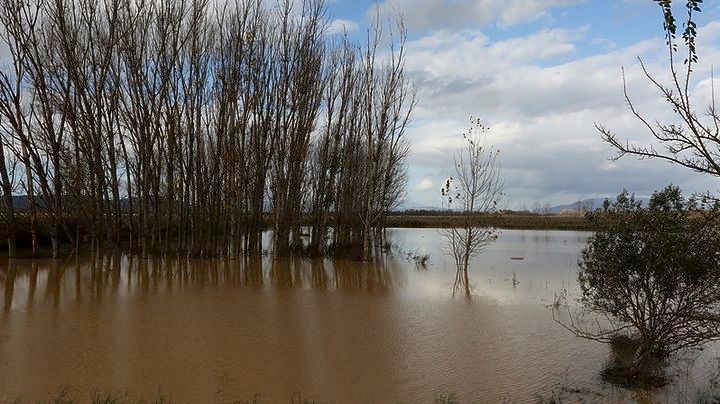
x,y
338,331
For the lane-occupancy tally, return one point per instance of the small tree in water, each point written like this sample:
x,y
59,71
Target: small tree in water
x,y
653,276
475,188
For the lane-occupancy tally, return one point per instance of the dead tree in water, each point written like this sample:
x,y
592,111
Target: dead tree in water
x,y
476,188
300,55
186,125
326,160
379,100
386,108
12,110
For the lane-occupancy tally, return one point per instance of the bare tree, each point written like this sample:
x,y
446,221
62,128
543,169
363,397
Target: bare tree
x,y
476,188
387,105
693,141
191,125
14,113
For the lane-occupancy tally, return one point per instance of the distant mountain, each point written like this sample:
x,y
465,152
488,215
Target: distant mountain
x,y
583,205
589,204
410,205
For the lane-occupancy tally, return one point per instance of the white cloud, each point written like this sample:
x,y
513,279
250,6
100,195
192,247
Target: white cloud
x,y
340,26
443,14
425,184
542,101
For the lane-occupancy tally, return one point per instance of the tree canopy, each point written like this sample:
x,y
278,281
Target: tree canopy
x,y
653,274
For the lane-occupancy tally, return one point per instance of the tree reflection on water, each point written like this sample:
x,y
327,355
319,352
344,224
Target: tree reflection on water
x,y
94,277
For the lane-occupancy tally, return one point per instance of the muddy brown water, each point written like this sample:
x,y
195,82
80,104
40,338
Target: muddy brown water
x,y
337,331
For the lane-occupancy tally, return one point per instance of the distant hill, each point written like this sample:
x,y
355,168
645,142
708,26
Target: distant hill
x,y
410,205
589,204
583,205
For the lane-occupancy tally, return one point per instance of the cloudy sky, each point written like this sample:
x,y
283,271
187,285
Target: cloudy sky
x,y
540,73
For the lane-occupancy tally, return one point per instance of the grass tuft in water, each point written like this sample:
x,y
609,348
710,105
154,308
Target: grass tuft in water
x,y
447,398
298,398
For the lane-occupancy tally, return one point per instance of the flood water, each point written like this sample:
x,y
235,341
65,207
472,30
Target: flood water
x,y
337,331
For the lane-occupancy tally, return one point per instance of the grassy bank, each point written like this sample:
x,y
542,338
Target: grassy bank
x,y
505,221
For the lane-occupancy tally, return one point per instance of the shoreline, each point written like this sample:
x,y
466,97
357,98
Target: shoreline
x,y
504,221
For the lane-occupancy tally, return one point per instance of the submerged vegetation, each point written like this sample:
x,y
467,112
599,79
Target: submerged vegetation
x,y
653,278
650,279
177,125
477,187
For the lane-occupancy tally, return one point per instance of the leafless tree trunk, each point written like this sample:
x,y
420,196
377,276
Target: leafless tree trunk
x,y
476,188
179,125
